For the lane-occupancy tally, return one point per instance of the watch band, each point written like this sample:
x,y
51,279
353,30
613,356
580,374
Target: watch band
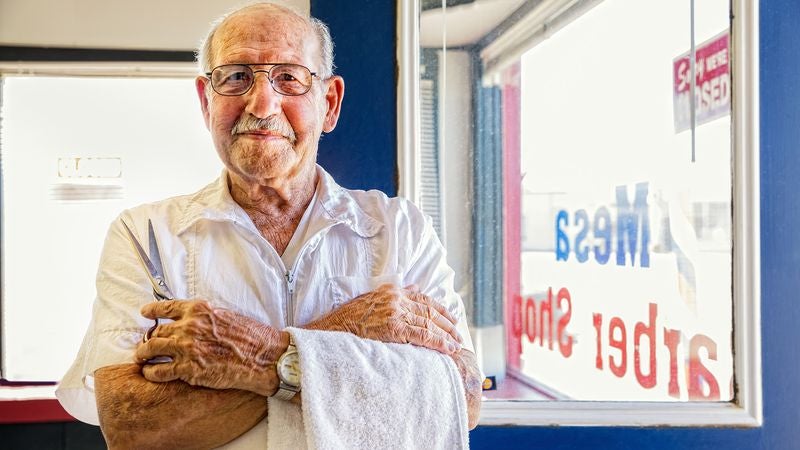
x,y
286,391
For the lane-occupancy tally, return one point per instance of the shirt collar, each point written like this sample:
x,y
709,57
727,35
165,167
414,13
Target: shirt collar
x,y
336,206
339,206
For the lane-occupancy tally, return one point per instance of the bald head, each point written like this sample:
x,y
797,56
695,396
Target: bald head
x,y
232,26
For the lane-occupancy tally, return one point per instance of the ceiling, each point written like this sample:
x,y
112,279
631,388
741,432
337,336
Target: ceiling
x,y
465,23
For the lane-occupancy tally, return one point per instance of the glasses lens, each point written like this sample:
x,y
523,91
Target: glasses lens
x,y
232,79
291,79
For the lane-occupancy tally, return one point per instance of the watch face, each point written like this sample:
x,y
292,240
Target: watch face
x,y
289,369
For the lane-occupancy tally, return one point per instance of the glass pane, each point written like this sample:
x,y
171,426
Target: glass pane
x,y
616,211
76,152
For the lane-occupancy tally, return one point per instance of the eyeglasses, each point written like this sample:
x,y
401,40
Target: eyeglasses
x,y
237,79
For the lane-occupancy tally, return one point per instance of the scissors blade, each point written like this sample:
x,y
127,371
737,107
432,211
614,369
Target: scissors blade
x,y
156,277
162,289
155,255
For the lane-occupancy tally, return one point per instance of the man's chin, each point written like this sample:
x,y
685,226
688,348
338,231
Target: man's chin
x,y
262,171
257,163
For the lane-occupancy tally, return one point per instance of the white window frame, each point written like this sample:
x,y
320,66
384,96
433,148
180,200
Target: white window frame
x,y
408,107
746,408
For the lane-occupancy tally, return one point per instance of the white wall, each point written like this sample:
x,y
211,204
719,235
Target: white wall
x,y
118,24
455,133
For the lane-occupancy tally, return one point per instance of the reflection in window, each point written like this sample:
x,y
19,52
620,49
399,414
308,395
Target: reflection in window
x,y
614,235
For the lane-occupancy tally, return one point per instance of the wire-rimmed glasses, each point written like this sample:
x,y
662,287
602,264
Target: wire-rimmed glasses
x,y
237,79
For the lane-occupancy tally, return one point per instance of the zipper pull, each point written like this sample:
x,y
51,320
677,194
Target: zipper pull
x,y
290,282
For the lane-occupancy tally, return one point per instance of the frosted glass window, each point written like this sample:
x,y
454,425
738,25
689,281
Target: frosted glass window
x,y
76,151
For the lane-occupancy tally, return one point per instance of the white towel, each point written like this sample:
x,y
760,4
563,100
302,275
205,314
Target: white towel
x,y
363,394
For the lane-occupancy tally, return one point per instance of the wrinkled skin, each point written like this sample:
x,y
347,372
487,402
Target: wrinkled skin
x,y
220,349
392,314
137,414
226,361
210,347
467,365
404,315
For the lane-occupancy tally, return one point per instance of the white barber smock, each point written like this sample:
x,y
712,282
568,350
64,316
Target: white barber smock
x,y
211,250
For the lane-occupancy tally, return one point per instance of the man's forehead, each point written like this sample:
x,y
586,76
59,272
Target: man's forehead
x,y
265,27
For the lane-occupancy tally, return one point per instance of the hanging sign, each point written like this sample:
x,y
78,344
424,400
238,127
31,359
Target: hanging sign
x,y
712,92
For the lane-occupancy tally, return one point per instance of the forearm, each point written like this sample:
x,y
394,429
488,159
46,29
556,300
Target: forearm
x,y
471,376
137,413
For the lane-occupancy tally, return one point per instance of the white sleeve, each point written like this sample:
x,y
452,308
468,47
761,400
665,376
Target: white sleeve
x,y
429,270
116,326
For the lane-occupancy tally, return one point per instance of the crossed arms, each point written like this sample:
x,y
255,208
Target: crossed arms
x,y
224,367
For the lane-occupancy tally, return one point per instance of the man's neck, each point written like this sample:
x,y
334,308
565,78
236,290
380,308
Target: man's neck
x,y
275,207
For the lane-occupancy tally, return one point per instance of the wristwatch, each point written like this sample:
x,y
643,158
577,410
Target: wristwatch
x,y
288,373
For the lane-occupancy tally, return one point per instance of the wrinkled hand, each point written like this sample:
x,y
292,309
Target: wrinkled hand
x,y
211,347
398,315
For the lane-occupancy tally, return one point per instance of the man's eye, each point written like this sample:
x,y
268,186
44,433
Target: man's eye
x,y
234,78
285,77
237,76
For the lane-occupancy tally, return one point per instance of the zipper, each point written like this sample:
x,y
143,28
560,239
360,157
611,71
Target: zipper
x,y
290,282
291,279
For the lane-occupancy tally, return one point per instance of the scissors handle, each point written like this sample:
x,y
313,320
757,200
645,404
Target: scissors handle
x,y
159,297
149,334
150,331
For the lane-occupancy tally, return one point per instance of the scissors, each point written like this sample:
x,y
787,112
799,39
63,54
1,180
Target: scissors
x,y
155,271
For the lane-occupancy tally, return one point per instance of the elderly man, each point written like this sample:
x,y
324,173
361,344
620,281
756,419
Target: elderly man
x,y
273,243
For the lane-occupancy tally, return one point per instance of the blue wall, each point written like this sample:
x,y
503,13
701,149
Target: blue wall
x,y
360,152
365,33
780,220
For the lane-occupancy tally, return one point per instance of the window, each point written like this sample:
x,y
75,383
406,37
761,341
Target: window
x,y
76,151
613,249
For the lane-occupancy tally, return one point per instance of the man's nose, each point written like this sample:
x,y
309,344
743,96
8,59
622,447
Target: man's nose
x,y
262,100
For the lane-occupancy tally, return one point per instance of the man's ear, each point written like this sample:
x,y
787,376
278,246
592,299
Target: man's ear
x,y
333,99
200,84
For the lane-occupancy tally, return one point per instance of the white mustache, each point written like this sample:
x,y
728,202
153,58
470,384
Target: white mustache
x,y
249,123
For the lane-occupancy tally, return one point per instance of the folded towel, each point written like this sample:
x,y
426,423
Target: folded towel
x,y
364,394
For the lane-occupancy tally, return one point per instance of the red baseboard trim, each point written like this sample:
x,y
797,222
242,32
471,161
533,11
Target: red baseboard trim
x,y
33,411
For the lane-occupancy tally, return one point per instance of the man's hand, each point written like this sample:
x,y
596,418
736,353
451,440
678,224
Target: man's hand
x,y
211,347
392,314
387,314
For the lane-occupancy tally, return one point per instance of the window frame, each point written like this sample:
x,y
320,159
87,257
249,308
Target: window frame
x,y
746,409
